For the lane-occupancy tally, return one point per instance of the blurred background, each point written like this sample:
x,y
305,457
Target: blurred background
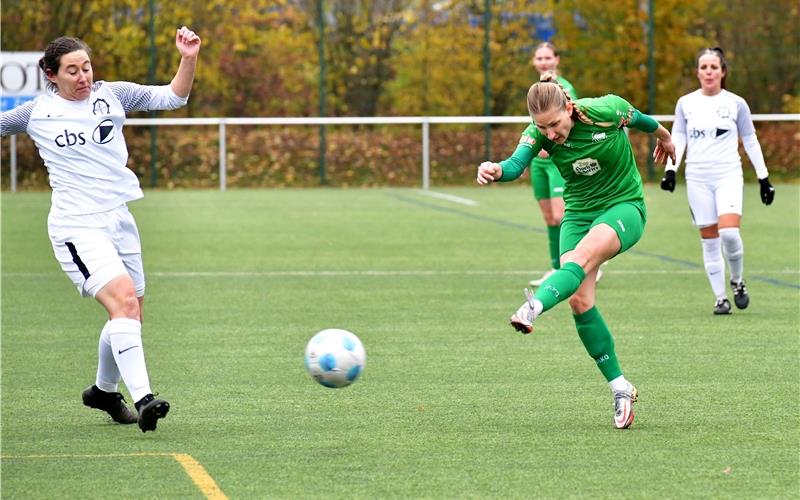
x,y
387,58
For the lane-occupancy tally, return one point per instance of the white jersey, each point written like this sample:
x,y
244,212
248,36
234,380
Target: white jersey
x,y
82,145
712,126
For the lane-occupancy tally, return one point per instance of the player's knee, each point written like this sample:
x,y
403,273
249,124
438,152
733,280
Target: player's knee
x,y
709,232
731,241
580,256
124,304
129,305
119,298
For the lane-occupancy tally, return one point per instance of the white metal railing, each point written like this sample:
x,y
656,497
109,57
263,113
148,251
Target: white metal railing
x,y
424,121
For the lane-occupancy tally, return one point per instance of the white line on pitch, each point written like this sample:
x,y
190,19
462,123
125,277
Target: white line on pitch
x,y
449,197
389,272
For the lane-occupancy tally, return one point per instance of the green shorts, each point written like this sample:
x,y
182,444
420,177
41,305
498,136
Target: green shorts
x,y
546,179
627,219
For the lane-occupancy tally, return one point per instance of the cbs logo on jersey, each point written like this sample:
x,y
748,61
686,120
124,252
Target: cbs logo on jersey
x,y
103,134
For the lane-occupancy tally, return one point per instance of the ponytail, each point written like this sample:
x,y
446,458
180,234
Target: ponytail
x,y
548,93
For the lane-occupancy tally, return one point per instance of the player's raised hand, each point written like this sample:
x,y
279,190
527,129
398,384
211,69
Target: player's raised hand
x,y
489,172
187,42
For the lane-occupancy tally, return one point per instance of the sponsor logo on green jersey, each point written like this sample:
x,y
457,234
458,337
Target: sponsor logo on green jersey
x,y
586,166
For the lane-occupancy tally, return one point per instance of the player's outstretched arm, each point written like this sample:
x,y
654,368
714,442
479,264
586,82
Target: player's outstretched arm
x,y
188,44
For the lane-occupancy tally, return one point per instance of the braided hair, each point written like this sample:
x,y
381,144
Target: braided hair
x,y
548,93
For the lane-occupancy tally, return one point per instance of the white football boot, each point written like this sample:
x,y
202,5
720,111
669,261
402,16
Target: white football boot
x,y
522,320
623,406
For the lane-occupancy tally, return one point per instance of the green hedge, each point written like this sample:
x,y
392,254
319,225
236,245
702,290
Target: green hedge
x,y
386,155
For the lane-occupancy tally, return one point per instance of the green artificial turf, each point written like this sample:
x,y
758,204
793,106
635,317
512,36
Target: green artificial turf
x,y
452,404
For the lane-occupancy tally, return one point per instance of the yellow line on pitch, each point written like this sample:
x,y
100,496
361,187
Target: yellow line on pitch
x,y
200,477
194,469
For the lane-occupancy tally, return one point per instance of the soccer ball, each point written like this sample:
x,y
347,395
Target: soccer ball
x,y
335,358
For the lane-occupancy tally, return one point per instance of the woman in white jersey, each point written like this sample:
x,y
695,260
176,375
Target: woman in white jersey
x,y
77,127
709,123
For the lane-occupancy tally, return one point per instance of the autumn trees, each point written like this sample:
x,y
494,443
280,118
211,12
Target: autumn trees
x,y
420,57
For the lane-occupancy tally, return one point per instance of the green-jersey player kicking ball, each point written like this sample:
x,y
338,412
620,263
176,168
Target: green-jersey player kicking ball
x,y
604,211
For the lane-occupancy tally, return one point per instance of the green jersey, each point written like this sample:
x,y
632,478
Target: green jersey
x,y
568,87
596,161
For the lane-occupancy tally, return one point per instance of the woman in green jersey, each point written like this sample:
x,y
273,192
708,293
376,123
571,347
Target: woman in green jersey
x,y
547,183
604,212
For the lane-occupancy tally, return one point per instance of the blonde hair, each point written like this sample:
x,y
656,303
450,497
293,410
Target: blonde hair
x,y
547,94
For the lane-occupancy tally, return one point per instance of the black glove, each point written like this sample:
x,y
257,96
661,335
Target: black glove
x,y
767,191
668,182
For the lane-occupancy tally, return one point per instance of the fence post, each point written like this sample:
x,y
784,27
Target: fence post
x,y
651,83
426,161
13,159
322,84
487,78
222,154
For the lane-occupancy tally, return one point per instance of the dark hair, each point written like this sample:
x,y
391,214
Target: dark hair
x,y
715,51
51,60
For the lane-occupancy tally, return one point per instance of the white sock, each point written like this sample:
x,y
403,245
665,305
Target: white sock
x,y
734,251
715,266
126,343
619,384
538,307
108,376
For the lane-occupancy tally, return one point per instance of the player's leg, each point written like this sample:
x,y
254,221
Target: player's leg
x,y
104,394
108,375
586,241
729,196
702,203
88,257
129,248
627,224
559,285
125,333
599,344
611,232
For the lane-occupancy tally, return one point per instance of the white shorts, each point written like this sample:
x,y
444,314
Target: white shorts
x,y
710,199
93,249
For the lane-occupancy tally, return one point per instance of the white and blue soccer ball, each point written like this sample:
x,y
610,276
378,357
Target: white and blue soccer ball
x,y
335,358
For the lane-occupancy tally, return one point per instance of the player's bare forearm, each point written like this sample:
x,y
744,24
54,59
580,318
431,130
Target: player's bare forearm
x,y
188,44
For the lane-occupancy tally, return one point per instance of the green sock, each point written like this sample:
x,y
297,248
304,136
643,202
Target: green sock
x,y
599,342
560,285
553,235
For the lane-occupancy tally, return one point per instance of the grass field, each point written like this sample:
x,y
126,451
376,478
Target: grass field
x,y
453,403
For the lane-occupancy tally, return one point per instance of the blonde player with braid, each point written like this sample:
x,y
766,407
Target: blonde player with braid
x,y
604,211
